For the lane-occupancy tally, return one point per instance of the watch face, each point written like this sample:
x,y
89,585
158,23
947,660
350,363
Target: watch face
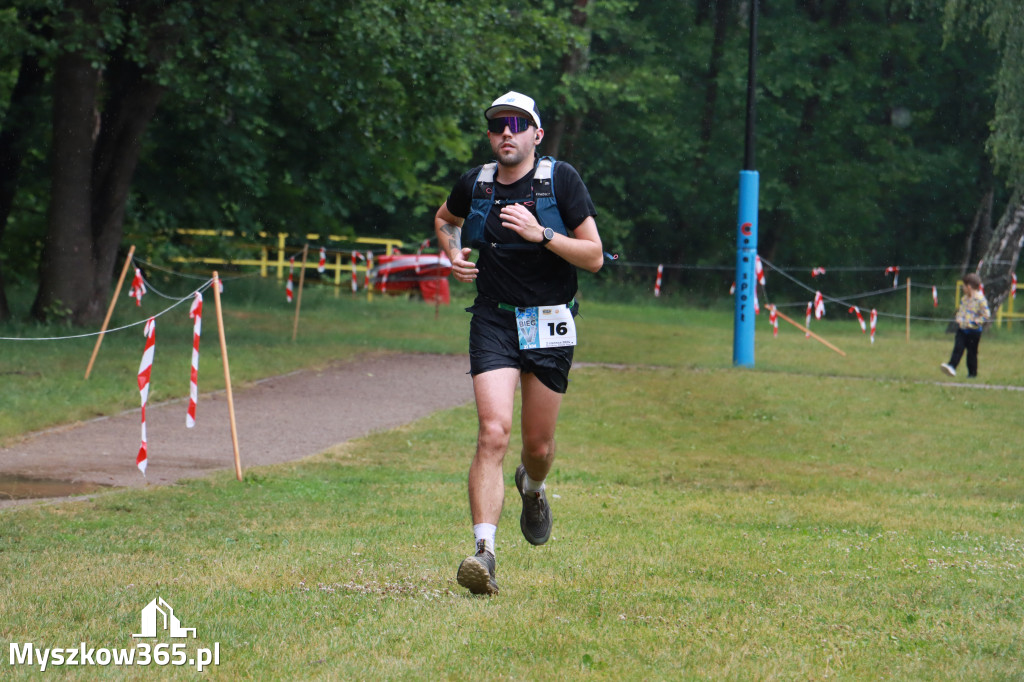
x,y
549,234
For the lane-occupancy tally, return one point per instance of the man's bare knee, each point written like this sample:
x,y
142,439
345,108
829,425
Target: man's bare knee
x,y
493,438
539,449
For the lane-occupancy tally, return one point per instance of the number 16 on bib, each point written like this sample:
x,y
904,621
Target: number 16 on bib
x,y
546,327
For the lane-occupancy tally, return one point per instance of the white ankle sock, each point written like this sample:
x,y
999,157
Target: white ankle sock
x,y
485,532
530,485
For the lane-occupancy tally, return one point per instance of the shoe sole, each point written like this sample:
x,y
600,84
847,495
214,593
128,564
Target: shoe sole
x,y
475,577
520,473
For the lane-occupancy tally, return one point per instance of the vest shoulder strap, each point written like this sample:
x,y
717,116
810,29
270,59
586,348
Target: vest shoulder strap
x,y
542,178
545,168
486,174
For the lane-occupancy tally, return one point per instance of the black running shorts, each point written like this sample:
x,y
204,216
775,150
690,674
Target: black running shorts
x,y
494,344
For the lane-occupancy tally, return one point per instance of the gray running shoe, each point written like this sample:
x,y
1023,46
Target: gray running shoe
x,y
535,521
476,573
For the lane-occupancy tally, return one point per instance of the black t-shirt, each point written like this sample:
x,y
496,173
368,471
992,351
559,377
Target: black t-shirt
x,y
525,277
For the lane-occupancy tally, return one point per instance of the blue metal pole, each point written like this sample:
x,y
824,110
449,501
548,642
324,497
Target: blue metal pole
x,y
746,282
746,233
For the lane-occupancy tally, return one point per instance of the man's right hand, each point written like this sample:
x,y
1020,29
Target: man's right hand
x,y
462,269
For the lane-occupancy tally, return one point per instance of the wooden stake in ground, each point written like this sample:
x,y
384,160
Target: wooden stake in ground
x,y
908,310
437,294
298,299
810,333
227,375
110,310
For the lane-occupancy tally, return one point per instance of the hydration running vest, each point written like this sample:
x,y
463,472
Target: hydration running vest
x,y
542,191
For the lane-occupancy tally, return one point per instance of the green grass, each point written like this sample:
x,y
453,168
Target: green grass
x,y
814,517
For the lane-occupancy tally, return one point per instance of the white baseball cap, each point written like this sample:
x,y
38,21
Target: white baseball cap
x,y
515,101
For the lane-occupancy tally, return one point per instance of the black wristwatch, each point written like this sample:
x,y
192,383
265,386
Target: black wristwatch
x,y
549,234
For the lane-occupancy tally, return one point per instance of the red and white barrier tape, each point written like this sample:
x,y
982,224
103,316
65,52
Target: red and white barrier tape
x,y
289,288
145,369
419,252
369,266
860,318
196,313
138,288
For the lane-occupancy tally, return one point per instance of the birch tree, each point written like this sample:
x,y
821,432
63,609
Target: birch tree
x,y
1003,24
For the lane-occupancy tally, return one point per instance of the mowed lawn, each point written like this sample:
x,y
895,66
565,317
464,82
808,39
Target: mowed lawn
x,y
813,517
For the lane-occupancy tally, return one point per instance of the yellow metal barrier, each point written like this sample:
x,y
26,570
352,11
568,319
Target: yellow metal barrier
x,y
1008,314
280,260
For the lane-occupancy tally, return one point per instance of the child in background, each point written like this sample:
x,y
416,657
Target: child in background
x,y
971,317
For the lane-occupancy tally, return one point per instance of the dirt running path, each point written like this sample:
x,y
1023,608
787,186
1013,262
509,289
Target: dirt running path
x,y
279,419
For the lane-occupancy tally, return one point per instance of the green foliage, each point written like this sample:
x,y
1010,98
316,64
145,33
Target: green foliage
x,y
8,61
356,117
869,136
858,116
340,116
1003,25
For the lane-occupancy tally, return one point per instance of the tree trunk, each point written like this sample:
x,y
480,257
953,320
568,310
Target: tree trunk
x,y
562,134
94,162
1000,260
132,105
707,122
980,234
14,136
66,267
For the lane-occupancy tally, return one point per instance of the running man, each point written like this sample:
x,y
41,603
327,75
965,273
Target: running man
x,y
531,220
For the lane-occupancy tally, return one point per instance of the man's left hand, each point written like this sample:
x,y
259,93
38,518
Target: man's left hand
x,y
518,218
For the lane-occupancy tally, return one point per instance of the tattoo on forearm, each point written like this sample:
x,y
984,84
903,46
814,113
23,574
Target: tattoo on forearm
x,y
454,236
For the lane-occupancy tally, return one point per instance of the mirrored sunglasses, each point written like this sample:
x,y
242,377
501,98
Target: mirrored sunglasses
x,y
516,124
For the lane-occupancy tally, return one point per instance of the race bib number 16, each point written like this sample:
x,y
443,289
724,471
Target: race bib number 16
x,y
545,327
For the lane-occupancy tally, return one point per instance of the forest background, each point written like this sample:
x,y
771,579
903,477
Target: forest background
x,y
888,131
